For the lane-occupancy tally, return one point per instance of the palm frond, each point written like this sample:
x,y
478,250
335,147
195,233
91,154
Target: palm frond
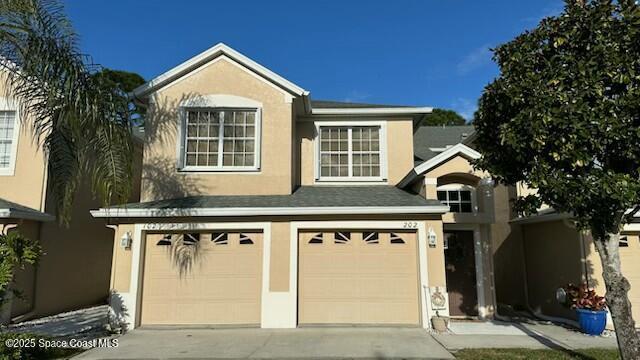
x,y
81,121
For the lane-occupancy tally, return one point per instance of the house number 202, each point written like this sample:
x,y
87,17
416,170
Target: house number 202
x,y
410,224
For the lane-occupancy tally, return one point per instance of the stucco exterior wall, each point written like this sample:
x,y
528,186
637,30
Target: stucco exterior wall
x,y
553,258
280,254
161,179
399,147
25,278
455,169
508,252
75,270
27,185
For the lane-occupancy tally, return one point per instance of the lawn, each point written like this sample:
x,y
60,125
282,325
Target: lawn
x,y
529,354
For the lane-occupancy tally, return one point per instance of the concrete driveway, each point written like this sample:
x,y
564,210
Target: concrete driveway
x,y
304,343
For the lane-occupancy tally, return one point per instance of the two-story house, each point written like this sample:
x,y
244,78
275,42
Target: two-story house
x,y
261,206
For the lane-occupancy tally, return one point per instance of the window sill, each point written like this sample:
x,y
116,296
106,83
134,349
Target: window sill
x,y
218,170
351,181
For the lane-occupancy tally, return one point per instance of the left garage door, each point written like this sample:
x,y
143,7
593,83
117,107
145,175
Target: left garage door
x,y
209,278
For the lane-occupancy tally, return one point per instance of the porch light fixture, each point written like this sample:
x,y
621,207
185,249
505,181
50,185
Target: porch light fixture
x,y
432,238
125,241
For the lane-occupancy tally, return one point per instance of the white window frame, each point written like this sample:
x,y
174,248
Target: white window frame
x,y
8,105
461,187
352,179
182,159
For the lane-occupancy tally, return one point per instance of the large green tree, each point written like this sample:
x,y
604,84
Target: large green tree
x,y
443,117
563,117
82,121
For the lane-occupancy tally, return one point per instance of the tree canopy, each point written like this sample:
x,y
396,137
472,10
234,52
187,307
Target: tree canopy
x,y
563,117
443,117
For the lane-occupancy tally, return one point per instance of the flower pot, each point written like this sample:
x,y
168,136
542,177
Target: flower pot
x,y
439,323
592,322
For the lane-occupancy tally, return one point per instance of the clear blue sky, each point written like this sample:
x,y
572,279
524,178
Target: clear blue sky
x,y
430,52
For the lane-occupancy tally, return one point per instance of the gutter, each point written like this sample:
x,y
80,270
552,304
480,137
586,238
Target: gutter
x,y
8,213
372,111
262,211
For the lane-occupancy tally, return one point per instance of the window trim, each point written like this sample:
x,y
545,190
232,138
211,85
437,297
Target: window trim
x,y
461,187
351,179
7,105
181,150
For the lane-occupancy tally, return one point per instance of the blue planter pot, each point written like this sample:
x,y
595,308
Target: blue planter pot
x,y
592,322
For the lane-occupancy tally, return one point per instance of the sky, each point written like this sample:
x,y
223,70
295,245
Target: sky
x,y
423,53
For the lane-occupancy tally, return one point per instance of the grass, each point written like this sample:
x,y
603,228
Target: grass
x,y
530,354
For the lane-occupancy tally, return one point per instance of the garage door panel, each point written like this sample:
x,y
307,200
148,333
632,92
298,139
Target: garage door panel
x,y
367,280
222,285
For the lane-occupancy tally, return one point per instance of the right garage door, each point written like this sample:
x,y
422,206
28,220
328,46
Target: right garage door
x,y
358,277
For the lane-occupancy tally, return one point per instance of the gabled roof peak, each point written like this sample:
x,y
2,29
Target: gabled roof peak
x,y
206,56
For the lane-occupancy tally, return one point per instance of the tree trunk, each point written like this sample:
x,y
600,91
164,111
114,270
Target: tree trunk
x,y
617,297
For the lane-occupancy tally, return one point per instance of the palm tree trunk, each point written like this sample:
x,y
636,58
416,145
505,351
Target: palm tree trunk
x,y
617,296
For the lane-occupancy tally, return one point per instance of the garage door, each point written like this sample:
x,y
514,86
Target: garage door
x,y
629,255
202,279
358,277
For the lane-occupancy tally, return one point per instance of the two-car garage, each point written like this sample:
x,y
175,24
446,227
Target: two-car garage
x,y
215,278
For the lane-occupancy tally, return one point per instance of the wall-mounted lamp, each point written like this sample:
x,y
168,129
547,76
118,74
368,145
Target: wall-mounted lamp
x,y
432,238
125,241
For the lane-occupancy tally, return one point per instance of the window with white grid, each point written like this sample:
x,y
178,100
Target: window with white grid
x,y
221,139
7,124
350,152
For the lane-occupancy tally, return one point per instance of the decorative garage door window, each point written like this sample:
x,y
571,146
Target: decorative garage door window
x,y
185,239
245,240
371,237
316,239
220,238
396,239
341,237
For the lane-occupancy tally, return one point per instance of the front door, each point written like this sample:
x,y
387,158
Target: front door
x,y
460,270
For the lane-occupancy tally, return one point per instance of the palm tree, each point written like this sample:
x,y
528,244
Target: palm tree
x,y
82,121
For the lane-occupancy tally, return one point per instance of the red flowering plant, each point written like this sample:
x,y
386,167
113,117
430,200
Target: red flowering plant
x,y
584,297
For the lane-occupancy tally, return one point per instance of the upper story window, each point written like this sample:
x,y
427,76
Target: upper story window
x,y
8,141
459,200
351,153
221,139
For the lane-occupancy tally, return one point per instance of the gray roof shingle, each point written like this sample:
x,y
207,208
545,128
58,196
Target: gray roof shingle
x,y
427,137
304,196
12,210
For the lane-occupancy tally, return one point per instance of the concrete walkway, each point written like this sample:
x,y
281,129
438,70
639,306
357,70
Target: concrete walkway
x,y
86,323
303,343
531,335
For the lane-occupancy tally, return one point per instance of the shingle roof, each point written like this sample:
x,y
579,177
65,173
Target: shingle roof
x,y
305,197
427,137
330,104
12,210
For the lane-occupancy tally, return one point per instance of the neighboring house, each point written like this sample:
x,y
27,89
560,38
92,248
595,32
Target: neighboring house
x,y
75,268
555,253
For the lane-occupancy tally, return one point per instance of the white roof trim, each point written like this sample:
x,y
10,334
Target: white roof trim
x,y
458,149
26,215
257,211
208,55
372,111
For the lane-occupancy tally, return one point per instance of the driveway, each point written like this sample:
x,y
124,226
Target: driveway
x,y
303,343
